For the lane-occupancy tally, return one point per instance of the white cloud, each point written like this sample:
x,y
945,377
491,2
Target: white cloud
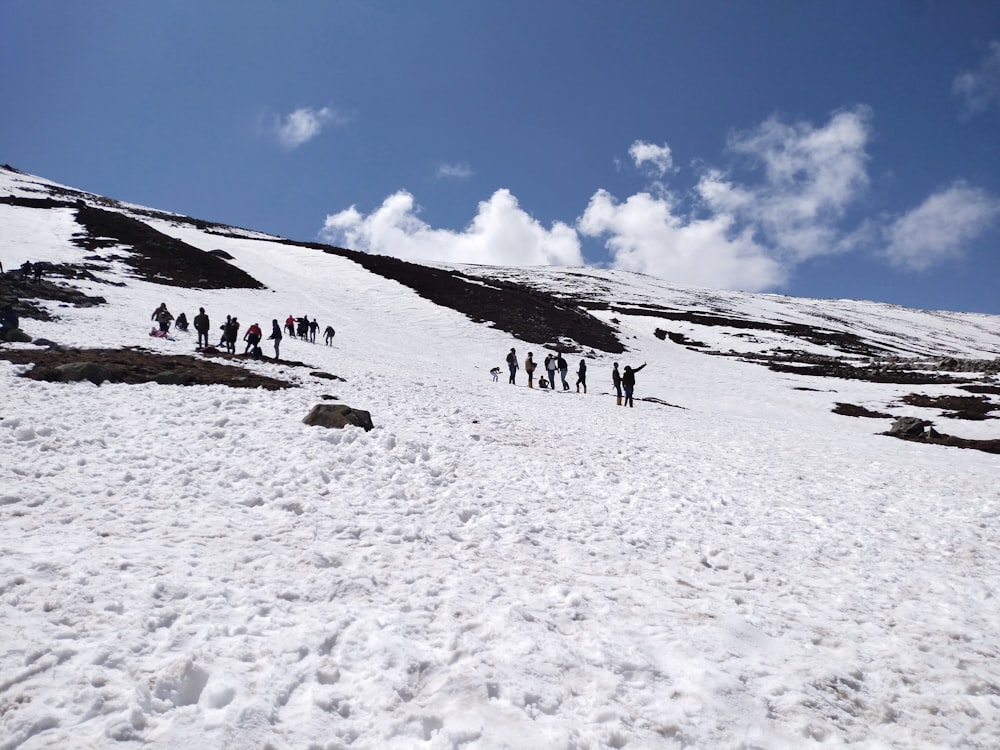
x,y
937,229
304,124
811,177
744,235
658,159
645,235
459,171
501,233
979,89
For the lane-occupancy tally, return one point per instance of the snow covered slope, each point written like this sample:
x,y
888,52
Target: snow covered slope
x,y
730,564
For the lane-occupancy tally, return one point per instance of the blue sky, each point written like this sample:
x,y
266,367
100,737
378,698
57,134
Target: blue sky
x,y
848,148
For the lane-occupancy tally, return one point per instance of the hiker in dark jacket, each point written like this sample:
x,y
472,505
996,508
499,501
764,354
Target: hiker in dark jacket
x,y
162,316
9,320
628,382
512,364
313,327
563,366
182,322
201,325
581,376
275,336
232,332
328,334
616,381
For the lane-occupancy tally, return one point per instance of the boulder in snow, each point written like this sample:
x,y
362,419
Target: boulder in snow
x,y
338,415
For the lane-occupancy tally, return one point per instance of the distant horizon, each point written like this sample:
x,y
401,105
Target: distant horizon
x,y
840,149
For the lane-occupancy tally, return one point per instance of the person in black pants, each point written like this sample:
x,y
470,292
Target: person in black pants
x,y
628,382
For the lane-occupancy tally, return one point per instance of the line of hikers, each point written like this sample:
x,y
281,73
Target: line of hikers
x,y
305,328
556,363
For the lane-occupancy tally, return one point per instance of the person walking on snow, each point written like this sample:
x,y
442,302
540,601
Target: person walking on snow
x,y
616,381
529,367
563,370
581,376
512,364
290,325
313,327
550,368
328,335
628,382
201,325
275,337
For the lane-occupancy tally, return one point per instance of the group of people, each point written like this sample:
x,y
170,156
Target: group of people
x,y
622,381
305,328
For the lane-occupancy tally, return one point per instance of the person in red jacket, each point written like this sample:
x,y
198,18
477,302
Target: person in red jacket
x,y
252,337
290,325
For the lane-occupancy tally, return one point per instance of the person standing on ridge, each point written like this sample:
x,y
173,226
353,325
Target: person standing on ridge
x,y
201,325
581,376
616,381
628,382
275,337
512,364
529,368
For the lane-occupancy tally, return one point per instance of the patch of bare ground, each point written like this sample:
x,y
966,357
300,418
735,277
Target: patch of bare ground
x,y
25,292
155,256
933,437
135,365
955,407
853,410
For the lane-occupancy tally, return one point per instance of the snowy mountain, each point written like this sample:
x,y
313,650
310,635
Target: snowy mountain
x,y
742,560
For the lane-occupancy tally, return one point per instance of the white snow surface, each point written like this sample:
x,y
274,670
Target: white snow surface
x,y
491,566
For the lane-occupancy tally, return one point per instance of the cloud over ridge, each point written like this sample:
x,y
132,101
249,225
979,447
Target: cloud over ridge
x,y
789,193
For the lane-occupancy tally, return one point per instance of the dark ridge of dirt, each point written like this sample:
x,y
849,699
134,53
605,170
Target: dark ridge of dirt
x,y
24,293
937,438
158,257
831,367
853,410
991,389
956,407
134,365
531,315
678,338
849,343
12,200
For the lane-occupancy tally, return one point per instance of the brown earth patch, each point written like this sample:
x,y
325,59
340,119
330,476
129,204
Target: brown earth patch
x,y
134,365
955,407
937,438
853,410
155,256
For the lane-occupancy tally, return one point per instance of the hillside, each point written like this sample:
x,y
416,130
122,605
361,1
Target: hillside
x,y
743,560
